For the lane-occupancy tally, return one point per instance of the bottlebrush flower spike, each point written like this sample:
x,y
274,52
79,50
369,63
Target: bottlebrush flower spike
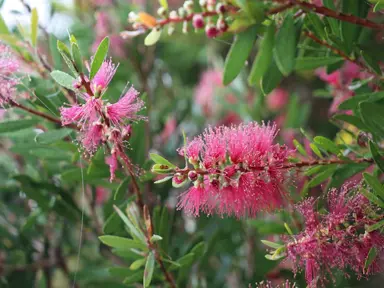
x,y
337,239
102,78
239,171
8,66
126,107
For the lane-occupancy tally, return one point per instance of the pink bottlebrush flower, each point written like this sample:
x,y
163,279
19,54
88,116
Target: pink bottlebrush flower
x,y
277,99
205,91
241,171
103,76
82,114
8,66
113,164
126,108
337,239
92,137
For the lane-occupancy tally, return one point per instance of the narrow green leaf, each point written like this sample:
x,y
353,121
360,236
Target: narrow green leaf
x,y
121,243
3,27
148,270
353,102
375,184
344,172
134,278
185,261
288,229
76,57
316,150
161,160
371,62
238,54
373,117
318,26
310,63
271,79
299,147
64,52
326,144
372,254
376,226
321,177
63,79
198,250
135,232
165,179
15,125
122,190
34,26
372,197
377,157
349,31
264,56
317,169
164,4
285,46
52,136
355,121
99,57
153,37
137,264
271,244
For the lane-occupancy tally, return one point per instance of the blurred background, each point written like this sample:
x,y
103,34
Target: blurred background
x,y
181,82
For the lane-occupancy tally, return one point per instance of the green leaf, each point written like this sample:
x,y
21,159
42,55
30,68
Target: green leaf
x,y
164,229
376,156
311,63
238,54
52,136
198,250
264,56
153,37
134,278
372,254
3,27
76,57
54,52
326,144
63,79
318,26
122,190
155,238
34,26
353,102
271,79
373,117
317,169
164,4
271,244
376,226
372,197
299,147
137,264
355,121
64,52
148,270
185,261
285,46
344,172
371,62
121,243
289,230
316,150
349,31
321,177
161,160
165,179
99,57
15,125
133,230
375,184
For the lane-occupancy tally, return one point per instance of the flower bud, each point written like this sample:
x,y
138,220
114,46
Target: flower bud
x,y
173,15
222,26
211,31
198,21
185,27
203,3
188,6
181,12
220,8
162,12
132,17
192,175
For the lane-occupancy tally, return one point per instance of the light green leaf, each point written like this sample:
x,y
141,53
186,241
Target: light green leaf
x,y
372,254
198,250
299,147
121,243
238,54
137,264
161,160
376,226
76,57
316,150
152,37
372,197
285,46
15,125
52,136
63,79
289,230
186,261
148,270
99,57
133,230
34,26
164,4
377,157
271,244
122,190
321,177
264,56
165,179
64,52
3,27
326,144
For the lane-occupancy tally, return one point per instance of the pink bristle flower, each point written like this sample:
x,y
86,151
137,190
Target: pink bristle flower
x,y
92,137
102,78
126,108
240,171
8,66
337,239
113,164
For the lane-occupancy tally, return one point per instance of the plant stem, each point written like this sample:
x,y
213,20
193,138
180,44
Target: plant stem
x,y
40,114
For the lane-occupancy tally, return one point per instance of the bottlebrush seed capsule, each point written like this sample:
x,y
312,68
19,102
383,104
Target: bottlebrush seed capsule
x,y
192,175
198,21
220,8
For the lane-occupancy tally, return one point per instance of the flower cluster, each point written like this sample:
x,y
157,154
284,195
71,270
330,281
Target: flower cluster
x,y
8,66
337,239
211,18
100,121
237,171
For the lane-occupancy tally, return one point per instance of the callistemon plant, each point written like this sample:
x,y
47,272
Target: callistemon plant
x,y
235,170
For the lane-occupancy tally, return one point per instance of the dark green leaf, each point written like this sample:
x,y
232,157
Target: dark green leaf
x,y
238,54
372,254
52,136
372,197
355,121
198,250
349,31
121,243
321,177
353,102
310,63
264,56
148,270
122,190
377,157
271,79
15,125
375,184
76,57
345,172
285,46
373,117
99,57
185,261
371,62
